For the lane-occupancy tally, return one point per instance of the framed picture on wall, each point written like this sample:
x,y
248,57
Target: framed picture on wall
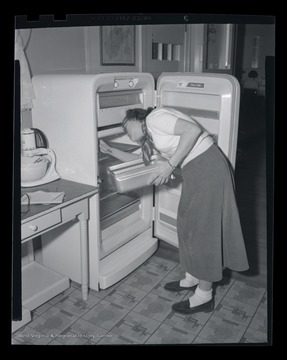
x,y
118,45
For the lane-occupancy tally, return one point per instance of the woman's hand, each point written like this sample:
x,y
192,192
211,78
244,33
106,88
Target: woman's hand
x,y
105,148
163,174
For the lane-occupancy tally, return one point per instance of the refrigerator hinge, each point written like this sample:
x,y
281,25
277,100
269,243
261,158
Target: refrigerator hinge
x,y
155,98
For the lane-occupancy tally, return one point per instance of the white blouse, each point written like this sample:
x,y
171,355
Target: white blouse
x,y
161,123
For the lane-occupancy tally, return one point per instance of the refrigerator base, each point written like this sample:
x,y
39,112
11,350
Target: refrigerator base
x,y
127,258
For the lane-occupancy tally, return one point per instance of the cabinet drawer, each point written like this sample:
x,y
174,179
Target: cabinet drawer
x,y
40,224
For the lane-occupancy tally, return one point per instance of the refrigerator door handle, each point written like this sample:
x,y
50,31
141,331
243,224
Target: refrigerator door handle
x,y
155,98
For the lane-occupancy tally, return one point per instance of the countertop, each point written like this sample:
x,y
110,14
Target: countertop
x,y
71,189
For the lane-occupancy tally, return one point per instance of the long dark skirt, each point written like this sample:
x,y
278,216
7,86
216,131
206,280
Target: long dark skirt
x,y
208,223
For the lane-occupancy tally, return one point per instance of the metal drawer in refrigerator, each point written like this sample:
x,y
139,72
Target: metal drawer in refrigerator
x,y
132,175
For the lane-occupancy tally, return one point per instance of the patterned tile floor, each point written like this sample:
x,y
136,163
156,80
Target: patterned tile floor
x,y
137,310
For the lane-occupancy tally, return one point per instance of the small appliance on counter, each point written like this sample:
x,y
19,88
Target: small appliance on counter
x,y
38,162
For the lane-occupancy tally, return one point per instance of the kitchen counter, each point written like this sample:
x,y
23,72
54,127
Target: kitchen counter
x,y
72,190
41,283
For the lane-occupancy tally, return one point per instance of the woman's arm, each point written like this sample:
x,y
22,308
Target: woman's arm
x,y
118,154
189,134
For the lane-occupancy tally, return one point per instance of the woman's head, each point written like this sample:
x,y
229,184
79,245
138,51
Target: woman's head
x,y
134,123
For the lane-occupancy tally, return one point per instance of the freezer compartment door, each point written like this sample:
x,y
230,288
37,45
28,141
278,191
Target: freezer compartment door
x,y
118,92
213,101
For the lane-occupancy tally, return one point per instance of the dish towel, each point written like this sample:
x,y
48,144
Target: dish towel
x,y
42,197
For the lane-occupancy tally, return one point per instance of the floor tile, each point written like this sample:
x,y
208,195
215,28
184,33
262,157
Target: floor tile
x,y
263,303
86,330
105,314
259,321
175,296
222,287
137,310
102,293
75,284
246,293
161,266
154,307
70,338
144,280
176,274
200,340
166,334
191,323
126,296
30,336
40,310
114,339
63,295
53,322
136,327
235,311
57,343
187,323
15,342
218,330
254,336
75,304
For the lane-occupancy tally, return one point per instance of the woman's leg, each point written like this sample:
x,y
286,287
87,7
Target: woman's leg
x,y
203,291
202,294
201,301
188,281
205,285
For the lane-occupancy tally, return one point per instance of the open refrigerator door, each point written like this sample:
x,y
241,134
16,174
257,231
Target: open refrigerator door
x,y
213,101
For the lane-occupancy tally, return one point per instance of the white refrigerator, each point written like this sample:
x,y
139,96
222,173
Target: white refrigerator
x,y
75,111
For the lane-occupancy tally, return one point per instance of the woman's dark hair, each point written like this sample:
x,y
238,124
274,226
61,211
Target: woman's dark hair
x,y
136,114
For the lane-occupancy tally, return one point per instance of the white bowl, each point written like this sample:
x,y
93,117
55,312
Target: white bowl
x,y
31,170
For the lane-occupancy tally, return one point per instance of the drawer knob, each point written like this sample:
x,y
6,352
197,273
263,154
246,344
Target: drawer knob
x,y
33,227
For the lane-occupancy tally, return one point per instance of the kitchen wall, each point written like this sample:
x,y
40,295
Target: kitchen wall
x,y
56,49
258,39
78,50
69,50
163,48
